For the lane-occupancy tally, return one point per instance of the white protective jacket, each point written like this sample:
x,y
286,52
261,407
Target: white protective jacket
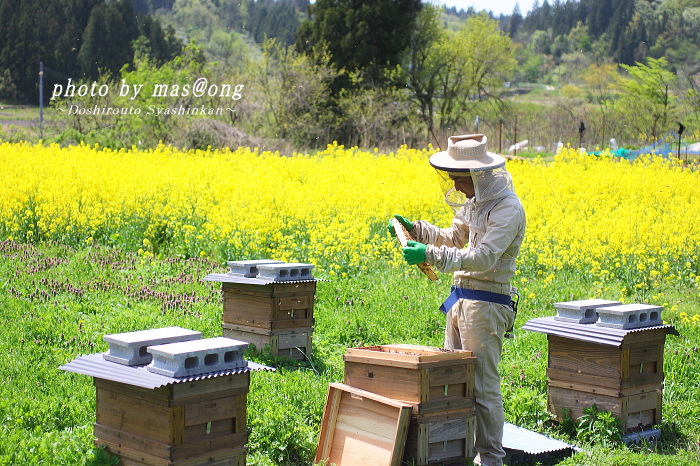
x,y
492,232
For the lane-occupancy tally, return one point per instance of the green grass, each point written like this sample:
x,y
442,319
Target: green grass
x,y
58,302
19,112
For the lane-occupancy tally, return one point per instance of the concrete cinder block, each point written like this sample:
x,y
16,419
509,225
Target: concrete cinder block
x,y
190,358
630,316
249,268
130,348
581,312
285,272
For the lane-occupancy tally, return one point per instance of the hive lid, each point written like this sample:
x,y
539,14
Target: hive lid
x,y
588,332
96,366
362,428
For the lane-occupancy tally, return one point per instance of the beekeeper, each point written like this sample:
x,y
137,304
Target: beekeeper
x,y
480,248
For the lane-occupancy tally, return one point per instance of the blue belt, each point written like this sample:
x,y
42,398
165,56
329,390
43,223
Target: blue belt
x,y
477,295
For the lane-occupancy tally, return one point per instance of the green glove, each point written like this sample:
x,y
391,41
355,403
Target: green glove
x,y
414,252
404,221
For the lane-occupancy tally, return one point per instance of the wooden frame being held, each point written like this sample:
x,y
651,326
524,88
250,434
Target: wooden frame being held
x,y
404,237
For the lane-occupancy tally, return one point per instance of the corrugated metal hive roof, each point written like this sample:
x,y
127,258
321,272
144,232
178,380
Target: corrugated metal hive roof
x,y
96,366
587,332
228,278
525,446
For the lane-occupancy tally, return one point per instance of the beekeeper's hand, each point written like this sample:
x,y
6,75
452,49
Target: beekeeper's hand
x,y
414,252
404,221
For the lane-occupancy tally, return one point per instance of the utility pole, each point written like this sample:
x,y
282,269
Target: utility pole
x,y
515,137
681,128
41,100
500,134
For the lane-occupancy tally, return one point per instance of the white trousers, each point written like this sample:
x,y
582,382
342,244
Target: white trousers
x,y
479,326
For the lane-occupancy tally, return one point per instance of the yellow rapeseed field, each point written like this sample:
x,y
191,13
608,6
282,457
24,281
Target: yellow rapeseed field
x,y
601,215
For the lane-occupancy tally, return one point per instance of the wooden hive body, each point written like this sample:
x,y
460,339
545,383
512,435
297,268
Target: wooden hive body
x,y
638,362
637,408
188,423
438,383
276,315
626,380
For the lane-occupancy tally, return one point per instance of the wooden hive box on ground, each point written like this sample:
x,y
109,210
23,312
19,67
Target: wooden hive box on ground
x,y
637,408
151,419
618,370
291,343
438,383
268,314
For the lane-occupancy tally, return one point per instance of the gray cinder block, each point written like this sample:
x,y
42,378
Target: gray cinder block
x,y
581,312
249,268
190,358
630,316
130,348
285,272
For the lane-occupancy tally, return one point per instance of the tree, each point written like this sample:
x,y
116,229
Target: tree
x,y
427,61
647,96
94,53
481,61
293,88
453,71
516,20
370,37
273,19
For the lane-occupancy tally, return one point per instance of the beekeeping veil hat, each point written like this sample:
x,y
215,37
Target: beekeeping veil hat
x,y
467,156
466,153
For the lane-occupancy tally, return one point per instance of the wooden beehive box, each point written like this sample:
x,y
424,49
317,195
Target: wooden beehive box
x,y
433,379
637,408
438,383
291,343
639,361
190,423
618,370
277,315
441,436
269,306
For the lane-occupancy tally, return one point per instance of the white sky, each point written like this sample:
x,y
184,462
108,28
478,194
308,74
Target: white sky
x,y
497,6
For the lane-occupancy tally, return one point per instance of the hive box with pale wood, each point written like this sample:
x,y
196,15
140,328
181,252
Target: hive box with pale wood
x,y
439,385
269,314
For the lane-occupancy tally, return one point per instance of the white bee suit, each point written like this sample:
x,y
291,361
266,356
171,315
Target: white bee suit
x,y
480,247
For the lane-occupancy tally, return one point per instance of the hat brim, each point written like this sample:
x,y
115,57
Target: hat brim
x,y
443,161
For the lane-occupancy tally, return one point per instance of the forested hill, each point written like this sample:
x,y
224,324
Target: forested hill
x,y
77,39
261,19
622,31
84,39
625,31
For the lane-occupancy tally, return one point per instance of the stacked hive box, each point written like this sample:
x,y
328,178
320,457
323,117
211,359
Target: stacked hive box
x,y
618,369
145,416
438,383
270,305
200,422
